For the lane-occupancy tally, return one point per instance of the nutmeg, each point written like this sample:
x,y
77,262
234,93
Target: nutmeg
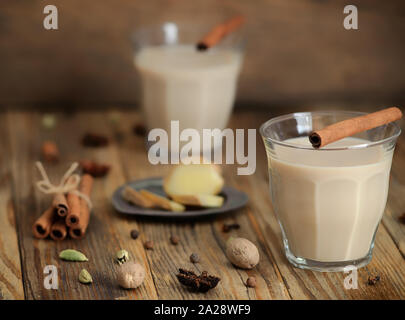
x,y
131,275
242,253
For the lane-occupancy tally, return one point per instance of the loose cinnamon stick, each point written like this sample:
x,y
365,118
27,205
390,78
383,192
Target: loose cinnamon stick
x,y
50,151
219,32
135,197
42,226
347,128
60,204
78,231
58,230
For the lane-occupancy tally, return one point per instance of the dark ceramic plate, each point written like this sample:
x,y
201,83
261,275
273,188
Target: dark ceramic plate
x,y
234,199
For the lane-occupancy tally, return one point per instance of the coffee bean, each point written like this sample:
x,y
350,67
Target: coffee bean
x,y
139,129
94,140
134,234
251,282
174,240
148,245
194,258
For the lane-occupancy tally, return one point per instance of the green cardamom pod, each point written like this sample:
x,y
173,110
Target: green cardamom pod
x,y
122,256
72,255
85,277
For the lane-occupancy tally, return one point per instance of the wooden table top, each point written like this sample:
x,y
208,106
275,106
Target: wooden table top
x,y
23,258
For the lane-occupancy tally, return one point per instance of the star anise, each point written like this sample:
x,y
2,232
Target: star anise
x,y
201,283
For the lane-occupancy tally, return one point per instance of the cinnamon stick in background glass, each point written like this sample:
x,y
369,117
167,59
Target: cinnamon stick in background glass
x,y
78,231
58,230
350,127
60,204
219,32
42,226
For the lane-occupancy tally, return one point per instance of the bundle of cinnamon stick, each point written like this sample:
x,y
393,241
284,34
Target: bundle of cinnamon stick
x,y
68,214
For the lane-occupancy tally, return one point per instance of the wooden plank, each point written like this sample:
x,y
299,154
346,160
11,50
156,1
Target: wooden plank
x,y
109,230
11,286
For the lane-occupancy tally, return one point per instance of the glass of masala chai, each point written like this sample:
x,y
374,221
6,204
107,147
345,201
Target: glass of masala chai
x,y
187,76
329,201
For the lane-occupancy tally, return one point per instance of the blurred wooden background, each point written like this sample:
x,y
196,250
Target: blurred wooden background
x,y
298,50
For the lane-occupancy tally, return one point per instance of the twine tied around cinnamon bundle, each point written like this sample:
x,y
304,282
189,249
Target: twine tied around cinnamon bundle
x,y
69,183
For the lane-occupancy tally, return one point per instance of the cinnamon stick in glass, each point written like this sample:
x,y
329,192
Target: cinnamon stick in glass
x,y
42,226
78,231
349,127
60,204
58,230
219,32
